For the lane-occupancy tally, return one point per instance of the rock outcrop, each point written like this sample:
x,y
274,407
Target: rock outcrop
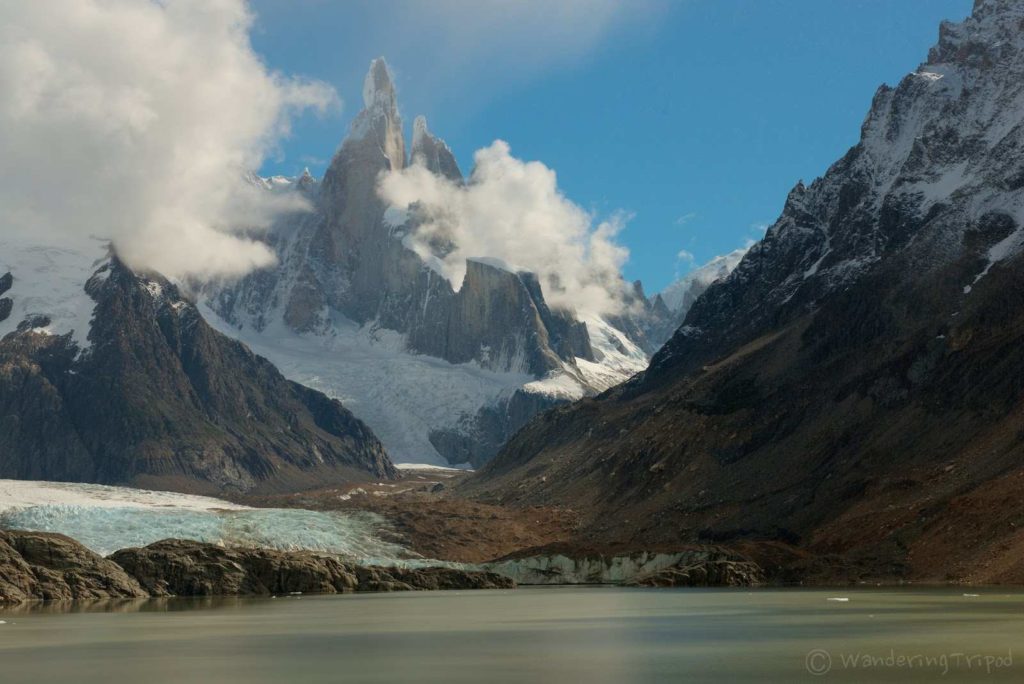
x,y
159,399
572,563
42,565
176,567
6,303
39,565
709,573
432,152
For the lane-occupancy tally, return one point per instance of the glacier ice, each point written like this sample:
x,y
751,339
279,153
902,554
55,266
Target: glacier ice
x,y
106,519
105,530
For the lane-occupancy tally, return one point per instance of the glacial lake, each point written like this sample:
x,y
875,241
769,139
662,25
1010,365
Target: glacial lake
x,y
554,634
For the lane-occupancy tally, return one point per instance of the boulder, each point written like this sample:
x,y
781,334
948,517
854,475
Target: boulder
x,y
177,567
43,565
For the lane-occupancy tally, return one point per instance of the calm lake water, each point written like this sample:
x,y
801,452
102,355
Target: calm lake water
x,y
563,635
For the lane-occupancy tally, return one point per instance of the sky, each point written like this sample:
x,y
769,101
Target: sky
x,y
694,118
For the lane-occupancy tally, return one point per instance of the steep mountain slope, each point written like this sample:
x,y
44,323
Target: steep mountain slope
x,y
113,377
443,373
856,385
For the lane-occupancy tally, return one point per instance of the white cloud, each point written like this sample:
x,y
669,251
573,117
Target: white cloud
x,y
685,218
455,56
135,120
524,35
512,210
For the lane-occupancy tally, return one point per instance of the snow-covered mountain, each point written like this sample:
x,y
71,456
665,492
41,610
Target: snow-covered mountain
x,y
442,373
680,295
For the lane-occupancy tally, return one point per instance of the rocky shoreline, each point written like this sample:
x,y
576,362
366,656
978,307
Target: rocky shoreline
x,y
53,567
48,566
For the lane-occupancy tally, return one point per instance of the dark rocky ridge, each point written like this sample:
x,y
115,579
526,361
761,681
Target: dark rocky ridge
x,y
162,400
176,567
855,386
39,565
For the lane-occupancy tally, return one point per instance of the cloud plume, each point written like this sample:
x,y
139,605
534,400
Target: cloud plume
x,y
136,120
512,210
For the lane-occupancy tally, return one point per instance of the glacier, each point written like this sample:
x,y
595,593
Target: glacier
x,y
106,519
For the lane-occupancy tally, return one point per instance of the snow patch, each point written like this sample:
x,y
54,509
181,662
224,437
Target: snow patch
x,y
1008,246
403,397
49,280
22,493
619,357
682,292
430,468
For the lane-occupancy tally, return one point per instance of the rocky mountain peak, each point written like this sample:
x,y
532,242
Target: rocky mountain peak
x,y
459,369
305,181
378,127
432,152
993,34
379,88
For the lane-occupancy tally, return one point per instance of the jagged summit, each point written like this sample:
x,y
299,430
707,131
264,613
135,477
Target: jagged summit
x,y
453,372
305,181
991,35
420,134
988,8
379,87
432,152
377,129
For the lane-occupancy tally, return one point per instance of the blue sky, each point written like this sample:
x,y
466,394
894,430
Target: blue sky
x,y
695,116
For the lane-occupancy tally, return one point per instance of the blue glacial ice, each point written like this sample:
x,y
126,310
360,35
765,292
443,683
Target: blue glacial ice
x,y
106,519
107,529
